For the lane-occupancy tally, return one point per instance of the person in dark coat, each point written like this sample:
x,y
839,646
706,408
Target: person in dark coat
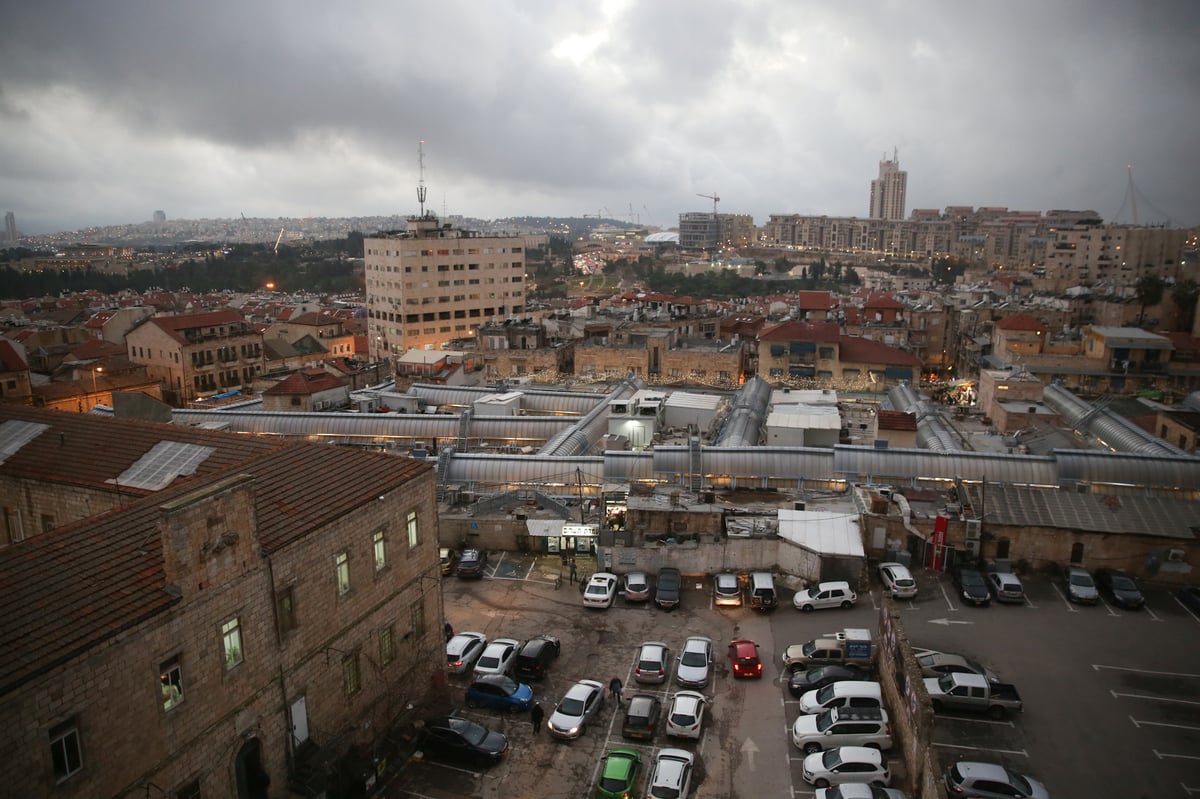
x,y
536,714
614,688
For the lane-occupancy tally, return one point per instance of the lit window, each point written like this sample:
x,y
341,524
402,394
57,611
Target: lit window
x,y
170,678
65,752
387,645
350,677
380,544
343,572
414,537
231,642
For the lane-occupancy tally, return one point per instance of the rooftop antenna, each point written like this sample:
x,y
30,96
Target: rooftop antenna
x,y
895,154
1132,194
421,181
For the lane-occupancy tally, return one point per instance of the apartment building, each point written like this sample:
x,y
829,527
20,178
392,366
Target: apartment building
x,y
434,282
197,355
1084,255
889,190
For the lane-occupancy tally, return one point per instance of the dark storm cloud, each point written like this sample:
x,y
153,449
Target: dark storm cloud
x,y
114,108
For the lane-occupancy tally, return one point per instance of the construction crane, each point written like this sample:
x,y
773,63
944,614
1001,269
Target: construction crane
x,y
715,200
279,239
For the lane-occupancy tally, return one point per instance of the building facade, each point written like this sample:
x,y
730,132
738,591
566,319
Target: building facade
x,y
888,190
433,283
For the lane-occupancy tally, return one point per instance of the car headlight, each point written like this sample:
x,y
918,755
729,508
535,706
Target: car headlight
x,y
573,731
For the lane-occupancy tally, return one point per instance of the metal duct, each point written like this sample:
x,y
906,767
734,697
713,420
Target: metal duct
x,y
932,432
574,402
583,435
1113,429
743,425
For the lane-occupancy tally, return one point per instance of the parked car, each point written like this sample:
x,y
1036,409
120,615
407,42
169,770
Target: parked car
x,y
471,563
1081,588
651,666
642,717
672,775
1006,587
685,718
497,658
535,657
973,692
636,587
935,664
1120,588
448,558
844,764
842,726
600,590
859,790
667,587
825,595
1190,597
802,681
897,580
762,591
973,779
853,694
577,707
499,692
463,650
695,662
971,585
456,738
618,774
727,591
743,658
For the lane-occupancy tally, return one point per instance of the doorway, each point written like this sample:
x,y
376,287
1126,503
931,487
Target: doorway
x,y
252,778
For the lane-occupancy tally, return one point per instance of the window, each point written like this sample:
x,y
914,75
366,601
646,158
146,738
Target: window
x,y
231,642
414,537
380,545
170,678
350,677
285,609
387,644
65,752
189,790
343,572
417,616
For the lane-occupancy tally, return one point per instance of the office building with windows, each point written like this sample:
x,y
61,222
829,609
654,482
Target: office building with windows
x,y
888,190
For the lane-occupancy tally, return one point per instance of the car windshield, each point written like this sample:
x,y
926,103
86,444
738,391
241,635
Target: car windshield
x,y
824,721
649,664
693,657
599,589
471,732
1019,782
636,584
905,581
809,648
971,578
683,717
1081,580
831,759
669,580
571,706
1123,583
826,693
488,662
506,685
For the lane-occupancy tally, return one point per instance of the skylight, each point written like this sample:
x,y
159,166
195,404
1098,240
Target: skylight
x,y
162,464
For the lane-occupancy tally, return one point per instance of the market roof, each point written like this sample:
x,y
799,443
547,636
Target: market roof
x,y
823,532
1123,514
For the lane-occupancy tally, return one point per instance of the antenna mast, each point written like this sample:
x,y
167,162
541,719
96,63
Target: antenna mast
x,y
421,181
1132,193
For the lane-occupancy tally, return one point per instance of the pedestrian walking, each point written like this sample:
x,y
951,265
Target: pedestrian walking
x,y
573,573
536,714
614,688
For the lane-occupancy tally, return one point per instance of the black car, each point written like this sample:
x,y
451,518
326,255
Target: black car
x,y
454,738
972,588
471,563
1190,596
804,680
1119,588
535,657
666,589
641,717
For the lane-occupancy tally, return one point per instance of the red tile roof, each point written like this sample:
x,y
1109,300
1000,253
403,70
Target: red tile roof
x,y
883,300
1021,321
854,349
174,324
897,420
814,300
1183,342
97,348
10,357
306,382
70,589
800,331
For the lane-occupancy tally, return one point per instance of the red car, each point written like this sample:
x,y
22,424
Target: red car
x,y
743,654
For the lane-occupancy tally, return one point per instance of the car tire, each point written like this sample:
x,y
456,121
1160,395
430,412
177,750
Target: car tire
x,y
810,748
471,703
996,712
807,608
846,603
821,783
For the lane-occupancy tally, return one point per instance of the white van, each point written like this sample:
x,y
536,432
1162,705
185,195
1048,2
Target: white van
x,y
848,693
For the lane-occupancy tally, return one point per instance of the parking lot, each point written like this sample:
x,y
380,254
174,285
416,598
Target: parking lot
x,y
1112,697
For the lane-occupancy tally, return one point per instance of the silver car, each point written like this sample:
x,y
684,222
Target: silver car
x,y
672,775
463,650
695,662
990,781
577,707
1081,587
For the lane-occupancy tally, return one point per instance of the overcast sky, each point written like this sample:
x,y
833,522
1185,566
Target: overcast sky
x,y
110,109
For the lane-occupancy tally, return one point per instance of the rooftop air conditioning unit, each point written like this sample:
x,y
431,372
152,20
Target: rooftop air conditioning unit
x,y
974,529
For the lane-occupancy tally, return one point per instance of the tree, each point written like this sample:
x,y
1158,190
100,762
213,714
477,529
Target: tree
x,y
947,270
782,266
1184,295
1149,291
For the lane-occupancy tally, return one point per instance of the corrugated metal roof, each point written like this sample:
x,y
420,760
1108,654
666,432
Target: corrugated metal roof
x,y
687,399
515,470
1127,468
573,402
905,464
623,466
1099,513
780,462
805,417
822,532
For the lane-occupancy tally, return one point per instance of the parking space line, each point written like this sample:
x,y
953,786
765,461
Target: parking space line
x,y
946,596
973,720
1186,609
1165,755
1153,615
1020,752
1097,667
1066,601
1140,724
1111,611
1119,695
1189,791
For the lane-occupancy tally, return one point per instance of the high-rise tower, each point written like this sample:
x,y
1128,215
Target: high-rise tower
x,y
888,190
10,228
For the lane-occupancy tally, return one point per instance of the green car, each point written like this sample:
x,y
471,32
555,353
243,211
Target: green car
x,y
618,773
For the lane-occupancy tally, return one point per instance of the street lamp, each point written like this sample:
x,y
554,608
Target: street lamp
x,y
94,371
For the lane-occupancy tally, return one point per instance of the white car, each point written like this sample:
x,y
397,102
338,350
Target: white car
x,y
859,790
685,718
844,764
600,590
898,580
825,595
579,704
463,650
695,662
842,726
497,658
651,666
672,775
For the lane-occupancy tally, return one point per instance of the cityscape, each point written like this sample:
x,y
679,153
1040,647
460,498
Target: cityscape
x,y
707,402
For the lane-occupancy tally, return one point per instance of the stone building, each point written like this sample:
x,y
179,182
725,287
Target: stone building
x,y
267,624
514,348
307,390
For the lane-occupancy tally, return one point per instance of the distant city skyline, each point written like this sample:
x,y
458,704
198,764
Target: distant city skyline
x,y
628,109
